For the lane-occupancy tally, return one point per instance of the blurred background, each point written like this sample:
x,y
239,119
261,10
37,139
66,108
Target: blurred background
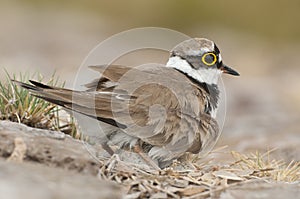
x,y
260,39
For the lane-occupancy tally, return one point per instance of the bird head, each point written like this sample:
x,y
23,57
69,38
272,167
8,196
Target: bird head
x,y
200,59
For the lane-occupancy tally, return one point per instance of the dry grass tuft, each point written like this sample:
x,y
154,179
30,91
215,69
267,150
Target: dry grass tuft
x,y
17,105
262,166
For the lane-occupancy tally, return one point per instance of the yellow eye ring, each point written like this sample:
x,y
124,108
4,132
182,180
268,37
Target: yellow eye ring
x,y
213,62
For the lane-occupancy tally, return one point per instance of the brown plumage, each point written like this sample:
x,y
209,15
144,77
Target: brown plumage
x,y
155,106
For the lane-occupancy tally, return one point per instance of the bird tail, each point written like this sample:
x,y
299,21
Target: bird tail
x,y
81,102
55,95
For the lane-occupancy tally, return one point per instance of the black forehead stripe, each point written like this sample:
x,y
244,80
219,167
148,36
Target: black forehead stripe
x,y
217,49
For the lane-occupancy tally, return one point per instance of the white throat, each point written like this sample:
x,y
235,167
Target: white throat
x,y
208,76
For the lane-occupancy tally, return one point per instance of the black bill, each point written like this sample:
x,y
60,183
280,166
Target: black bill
x,y
229,70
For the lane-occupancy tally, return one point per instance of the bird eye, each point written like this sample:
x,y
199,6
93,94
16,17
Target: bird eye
x,y
209,59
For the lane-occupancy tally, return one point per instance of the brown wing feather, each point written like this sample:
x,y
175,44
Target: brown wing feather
x,y
170,90
109,73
